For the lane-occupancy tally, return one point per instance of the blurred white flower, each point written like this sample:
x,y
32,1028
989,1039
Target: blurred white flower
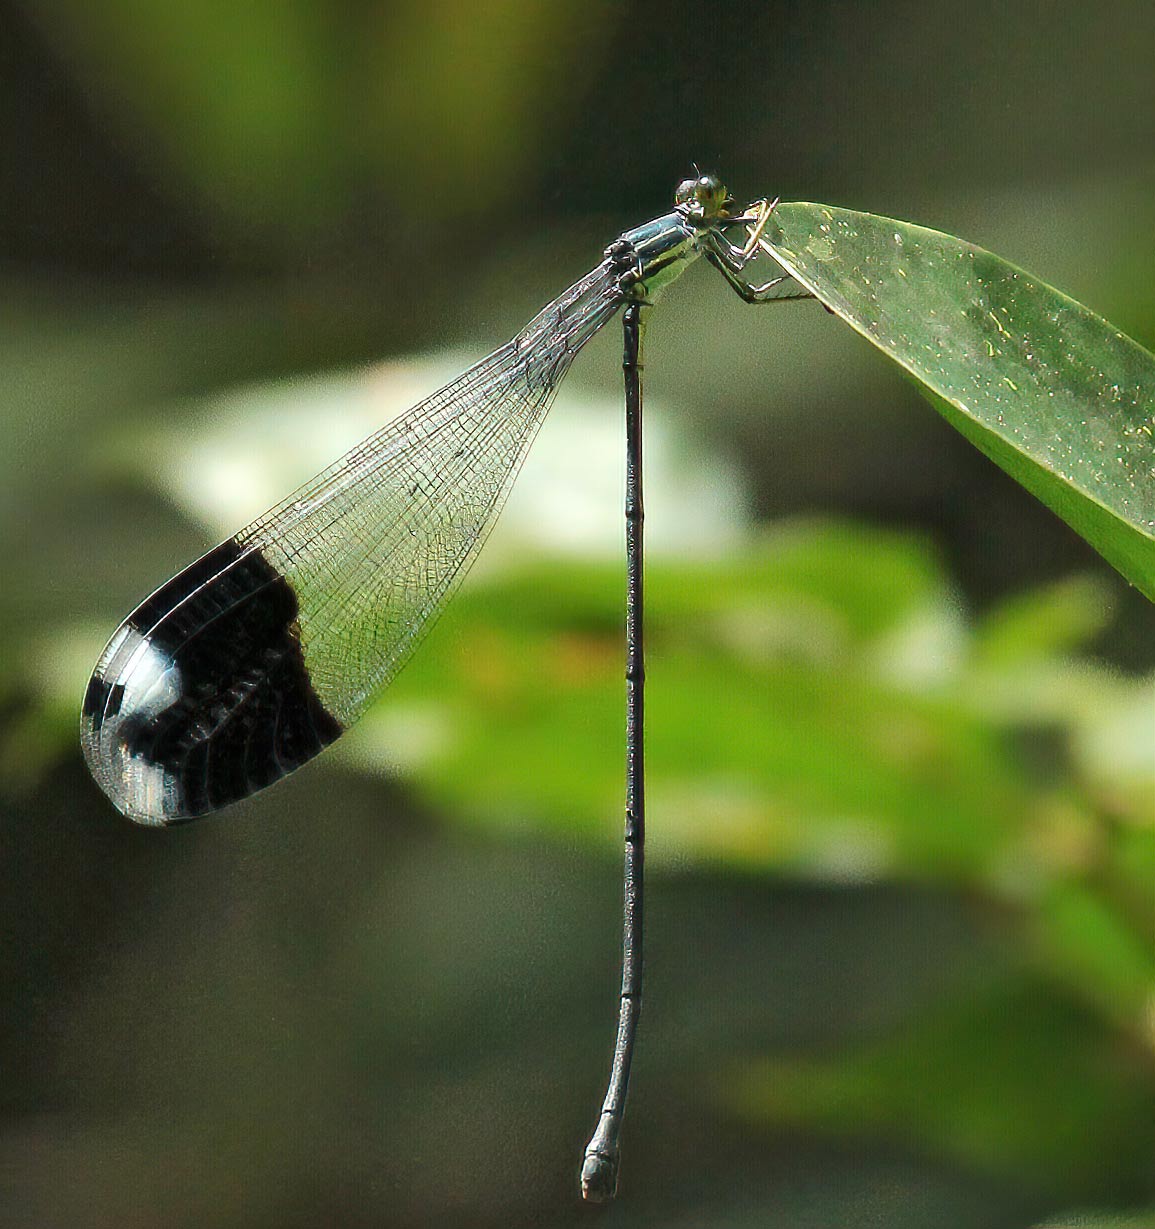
x,y
237,455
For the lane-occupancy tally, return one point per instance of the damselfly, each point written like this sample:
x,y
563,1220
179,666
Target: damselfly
x,y
260,654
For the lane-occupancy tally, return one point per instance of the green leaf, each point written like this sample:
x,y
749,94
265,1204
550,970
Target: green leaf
x,y
1051,392
1011,1080
1042,623
1088,943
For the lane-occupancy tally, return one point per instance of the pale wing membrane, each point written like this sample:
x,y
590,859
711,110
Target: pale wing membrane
x,y
375,545
261,653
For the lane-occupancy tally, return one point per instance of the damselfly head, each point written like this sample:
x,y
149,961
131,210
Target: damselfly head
x,y
703,199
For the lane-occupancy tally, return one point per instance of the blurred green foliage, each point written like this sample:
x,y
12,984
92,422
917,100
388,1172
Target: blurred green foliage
x,y
240,104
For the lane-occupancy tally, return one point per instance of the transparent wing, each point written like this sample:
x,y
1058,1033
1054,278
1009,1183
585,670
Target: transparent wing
x,y
375,545
261,653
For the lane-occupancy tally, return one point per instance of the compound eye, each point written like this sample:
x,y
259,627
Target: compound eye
x,y
687,192
710,193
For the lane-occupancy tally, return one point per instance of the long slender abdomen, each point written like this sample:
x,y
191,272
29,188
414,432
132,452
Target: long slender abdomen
x,y
202,696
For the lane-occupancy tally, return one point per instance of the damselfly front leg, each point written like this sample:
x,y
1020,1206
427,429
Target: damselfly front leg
x,y
757,225
731,260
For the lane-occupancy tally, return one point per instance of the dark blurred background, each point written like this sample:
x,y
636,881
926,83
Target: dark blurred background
x,y
902,741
